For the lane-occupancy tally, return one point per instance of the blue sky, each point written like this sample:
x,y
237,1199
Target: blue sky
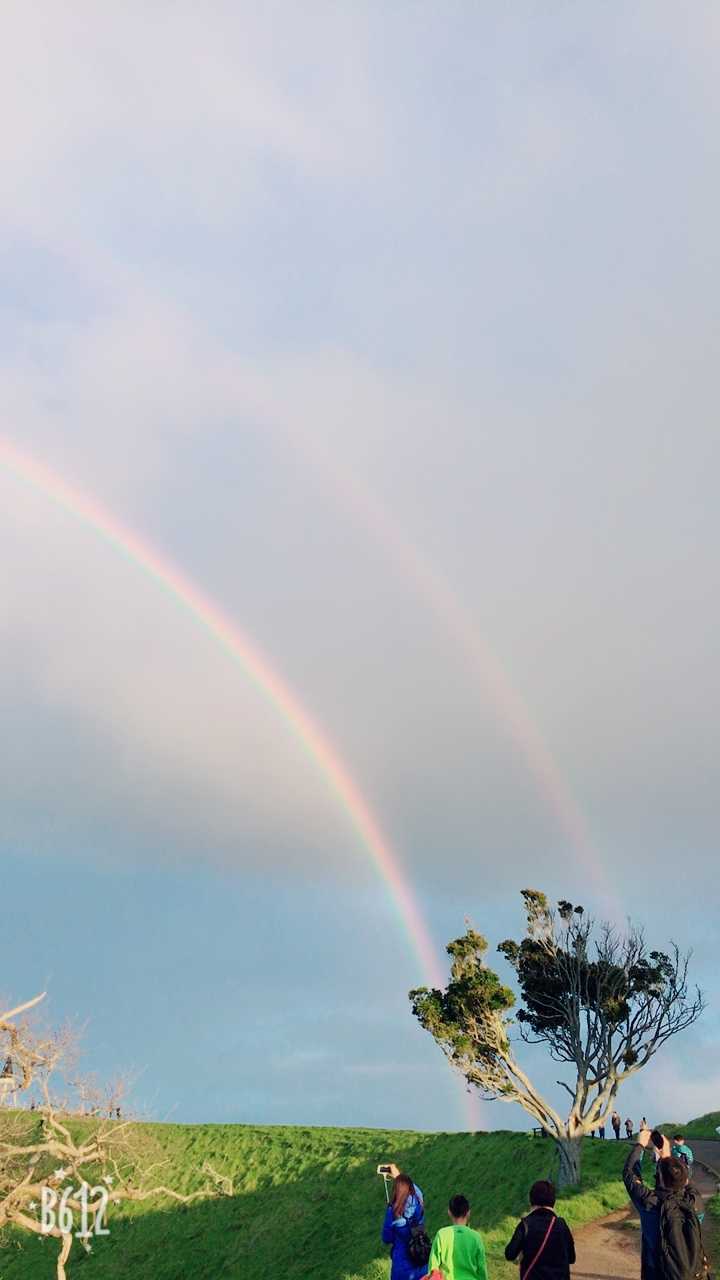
x,y
265,276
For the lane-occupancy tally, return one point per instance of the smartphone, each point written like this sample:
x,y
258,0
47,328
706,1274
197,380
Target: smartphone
x,y
383,1168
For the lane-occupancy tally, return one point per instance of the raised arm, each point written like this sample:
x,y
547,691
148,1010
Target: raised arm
x,y
641,1196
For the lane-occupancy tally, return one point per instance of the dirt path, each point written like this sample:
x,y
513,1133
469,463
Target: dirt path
x,y
709,1153
610,1248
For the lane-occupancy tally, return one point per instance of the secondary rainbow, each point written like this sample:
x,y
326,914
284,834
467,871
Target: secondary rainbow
x,y
446,605
262,674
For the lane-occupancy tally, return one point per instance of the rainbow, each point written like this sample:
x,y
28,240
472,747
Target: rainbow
x,y
448,607
267,680
262,675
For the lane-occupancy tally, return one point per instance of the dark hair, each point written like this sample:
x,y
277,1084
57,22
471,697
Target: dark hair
x,y
459,1207
657,1139
542,1192
678,1138
672,1173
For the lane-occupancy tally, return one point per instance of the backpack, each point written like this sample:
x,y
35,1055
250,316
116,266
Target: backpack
x,y
419,1246
681,1247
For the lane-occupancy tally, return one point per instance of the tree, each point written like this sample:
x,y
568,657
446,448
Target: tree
x,y
601,1002
53,1150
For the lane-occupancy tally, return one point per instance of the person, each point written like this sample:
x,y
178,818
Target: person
x,y
628,1128
458,1252
404,1212
601,1130
615,1122
670,1215
542,1240
683,1152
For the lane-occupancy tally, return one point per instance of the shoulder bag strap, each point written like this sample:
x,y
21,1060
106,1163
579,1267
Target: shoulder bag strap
x,y
526,1273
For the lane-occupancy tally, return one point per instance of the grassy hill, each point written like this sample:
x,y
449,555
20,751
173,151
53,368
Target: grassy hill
x,y
703,1127
308,1202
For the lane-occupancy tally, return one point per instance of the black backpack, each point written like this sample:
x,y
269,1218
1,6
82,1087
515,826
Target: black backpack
x,y
419,1246
681,1246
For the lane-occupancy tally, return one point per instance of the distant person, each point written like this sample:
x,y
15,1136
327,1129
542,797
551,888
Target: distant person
x,y
683,1152
670,1215
616,1122
458,1252
628,1128
542,1241
601,1130
404,1216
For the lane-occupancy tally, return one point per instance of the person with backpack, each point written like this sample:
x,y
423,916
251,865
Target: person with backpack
x,y
628,1128
670,1213
404,1230
615,1122
458,1252
542,1241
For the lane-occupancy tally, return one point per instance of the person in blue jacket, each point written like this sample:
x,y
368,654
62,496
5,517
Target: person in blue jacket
x,y
404,1212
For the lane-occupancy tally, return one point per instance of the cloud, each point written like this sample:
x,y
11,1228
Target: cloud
x,y
267,332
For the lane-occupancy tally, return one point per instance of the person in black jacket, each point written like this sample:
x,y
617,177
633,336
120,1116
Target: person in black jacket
x,y
542,1241
670,1199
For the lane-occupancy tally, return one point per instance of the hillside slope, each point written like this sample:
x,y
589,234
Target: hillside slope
x,y
308,1202
703,1127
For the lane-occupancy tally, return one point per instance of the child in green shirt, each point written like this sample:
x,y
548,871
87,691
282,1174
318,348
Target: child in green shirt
x,y
458,1252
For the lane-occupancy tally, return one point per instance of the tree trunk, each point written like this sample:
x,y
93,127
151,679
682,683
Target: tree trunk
x,y
569,1150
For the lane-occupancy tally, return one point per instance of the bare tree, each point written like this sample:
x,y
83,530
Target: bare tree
x,y
50,1154
600,1002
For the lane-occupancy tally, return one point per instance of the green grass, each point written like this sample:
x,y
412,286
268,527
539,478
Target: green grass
x,y
711,1231
308,1203
703,1127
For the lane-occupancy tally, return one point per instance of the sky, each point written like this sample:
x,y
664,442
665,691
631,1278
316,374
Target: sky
x,y
394,329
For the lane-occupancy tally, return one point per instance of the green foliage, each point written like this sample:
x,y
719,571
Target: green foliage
x,y
307,1202
703,1127
465,1018
557,971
